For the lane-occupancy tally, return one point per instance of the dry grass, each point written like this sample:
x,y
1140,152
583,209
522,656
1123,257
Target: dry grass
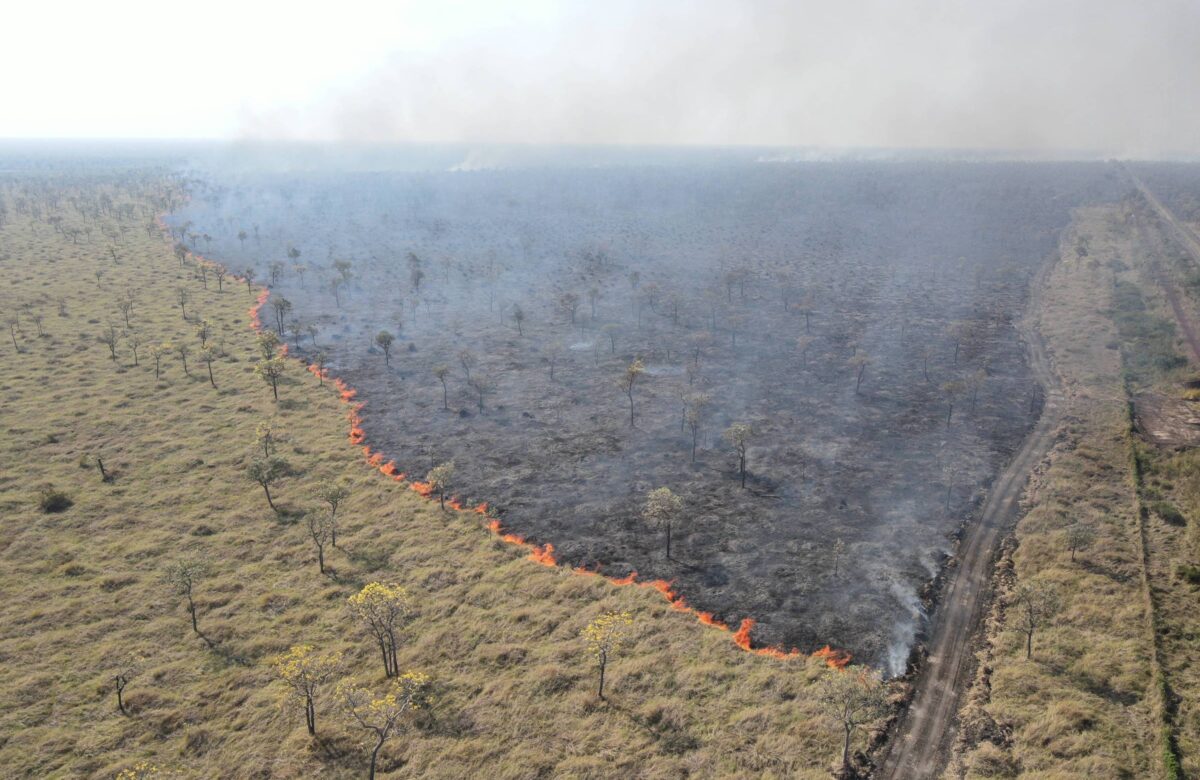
x,y
81,590
1086,704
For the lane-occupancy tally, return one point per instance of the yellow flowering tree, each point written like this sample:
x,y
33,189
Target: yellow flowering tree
x,y
379,713
303,673
382,610
605,635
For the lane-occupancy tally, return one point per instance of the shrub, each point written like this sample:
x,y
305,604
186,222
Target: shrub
x,y
1169,513
51,499
1189,572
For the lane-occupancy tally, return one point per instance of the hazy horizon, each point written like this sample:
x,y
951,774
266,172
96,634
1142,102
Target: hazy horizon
x,y
1115,77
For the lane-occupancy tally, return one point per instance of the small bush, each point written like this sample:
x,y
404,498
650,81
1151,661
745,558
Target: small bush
x,y
1189,572
1169,513
51,500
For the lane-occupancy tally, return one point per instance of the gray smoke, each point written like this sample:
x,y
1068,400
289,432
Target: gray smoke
x,y
1112,77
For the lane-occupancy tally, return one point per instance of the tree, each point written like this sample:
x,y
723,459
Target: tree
x,y
379,713
134,339
304,673
554,353
268,344
1079,537
320,528
208,355
569,302
839,549
803,344
333,494
610,330
518,316
110,337
271,371
628,380
482,385
183,350
220,272
382,610
441,372
281,306
1036,604
183,576
467,360
952,390
268,472
248,275
183,300
319,361
384,340
439,478
121,679
241,236
662,509
605,636
157,352
852,700
267,436
738,435
14,323
693,417
859,363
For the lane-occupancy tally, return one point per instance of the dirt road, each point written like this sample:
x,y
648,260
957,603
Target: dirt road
x,y
1187,239
921,744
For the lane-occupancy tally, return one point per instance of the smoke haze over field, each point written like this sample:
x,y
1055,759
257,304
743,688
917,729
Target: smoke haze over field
x,y
1116,77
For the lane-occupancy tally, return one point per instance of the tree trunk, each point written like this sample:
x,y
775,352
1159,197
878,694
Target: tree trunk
x,y
742,468
846,750
192,611
668,540
211,381
271,503
631,425
275,388
1028,645
310,716
374,755
600,692
321,557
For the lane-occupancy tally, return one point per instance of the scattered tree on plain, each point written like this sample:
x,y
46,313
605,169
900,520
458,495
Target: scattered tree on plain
x,y
439,479
662,509
304,673
385,339
379,713
738,435
333,494
183,576
441,372
852,700
628,380
382,610
1080,536
1035,604
605,636
271,371
268,472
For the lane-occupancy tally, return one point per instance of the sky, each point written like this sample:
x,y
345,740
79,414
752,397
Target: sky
x,y
1113,76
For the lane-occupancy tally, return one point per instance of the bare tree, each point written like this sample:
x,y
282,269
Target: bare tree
x,y
852,700
1036,604
1080,536
518,316
320,530
110,337
183,576
482,385
208,356
628,380
441,372
693,416
467,360
859,364
662,509
738,435
333,494
554,353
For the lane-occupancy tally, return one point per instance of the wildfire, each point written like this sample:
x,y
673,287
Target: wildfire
x,y
543,554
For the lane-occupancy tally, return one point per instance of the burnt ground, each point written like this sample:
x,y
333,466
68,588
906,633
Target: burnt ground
x,y
904,264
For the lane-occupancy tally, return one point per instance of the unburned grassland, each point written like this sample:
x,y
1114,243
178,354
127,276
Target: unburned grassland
x,y
81,590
